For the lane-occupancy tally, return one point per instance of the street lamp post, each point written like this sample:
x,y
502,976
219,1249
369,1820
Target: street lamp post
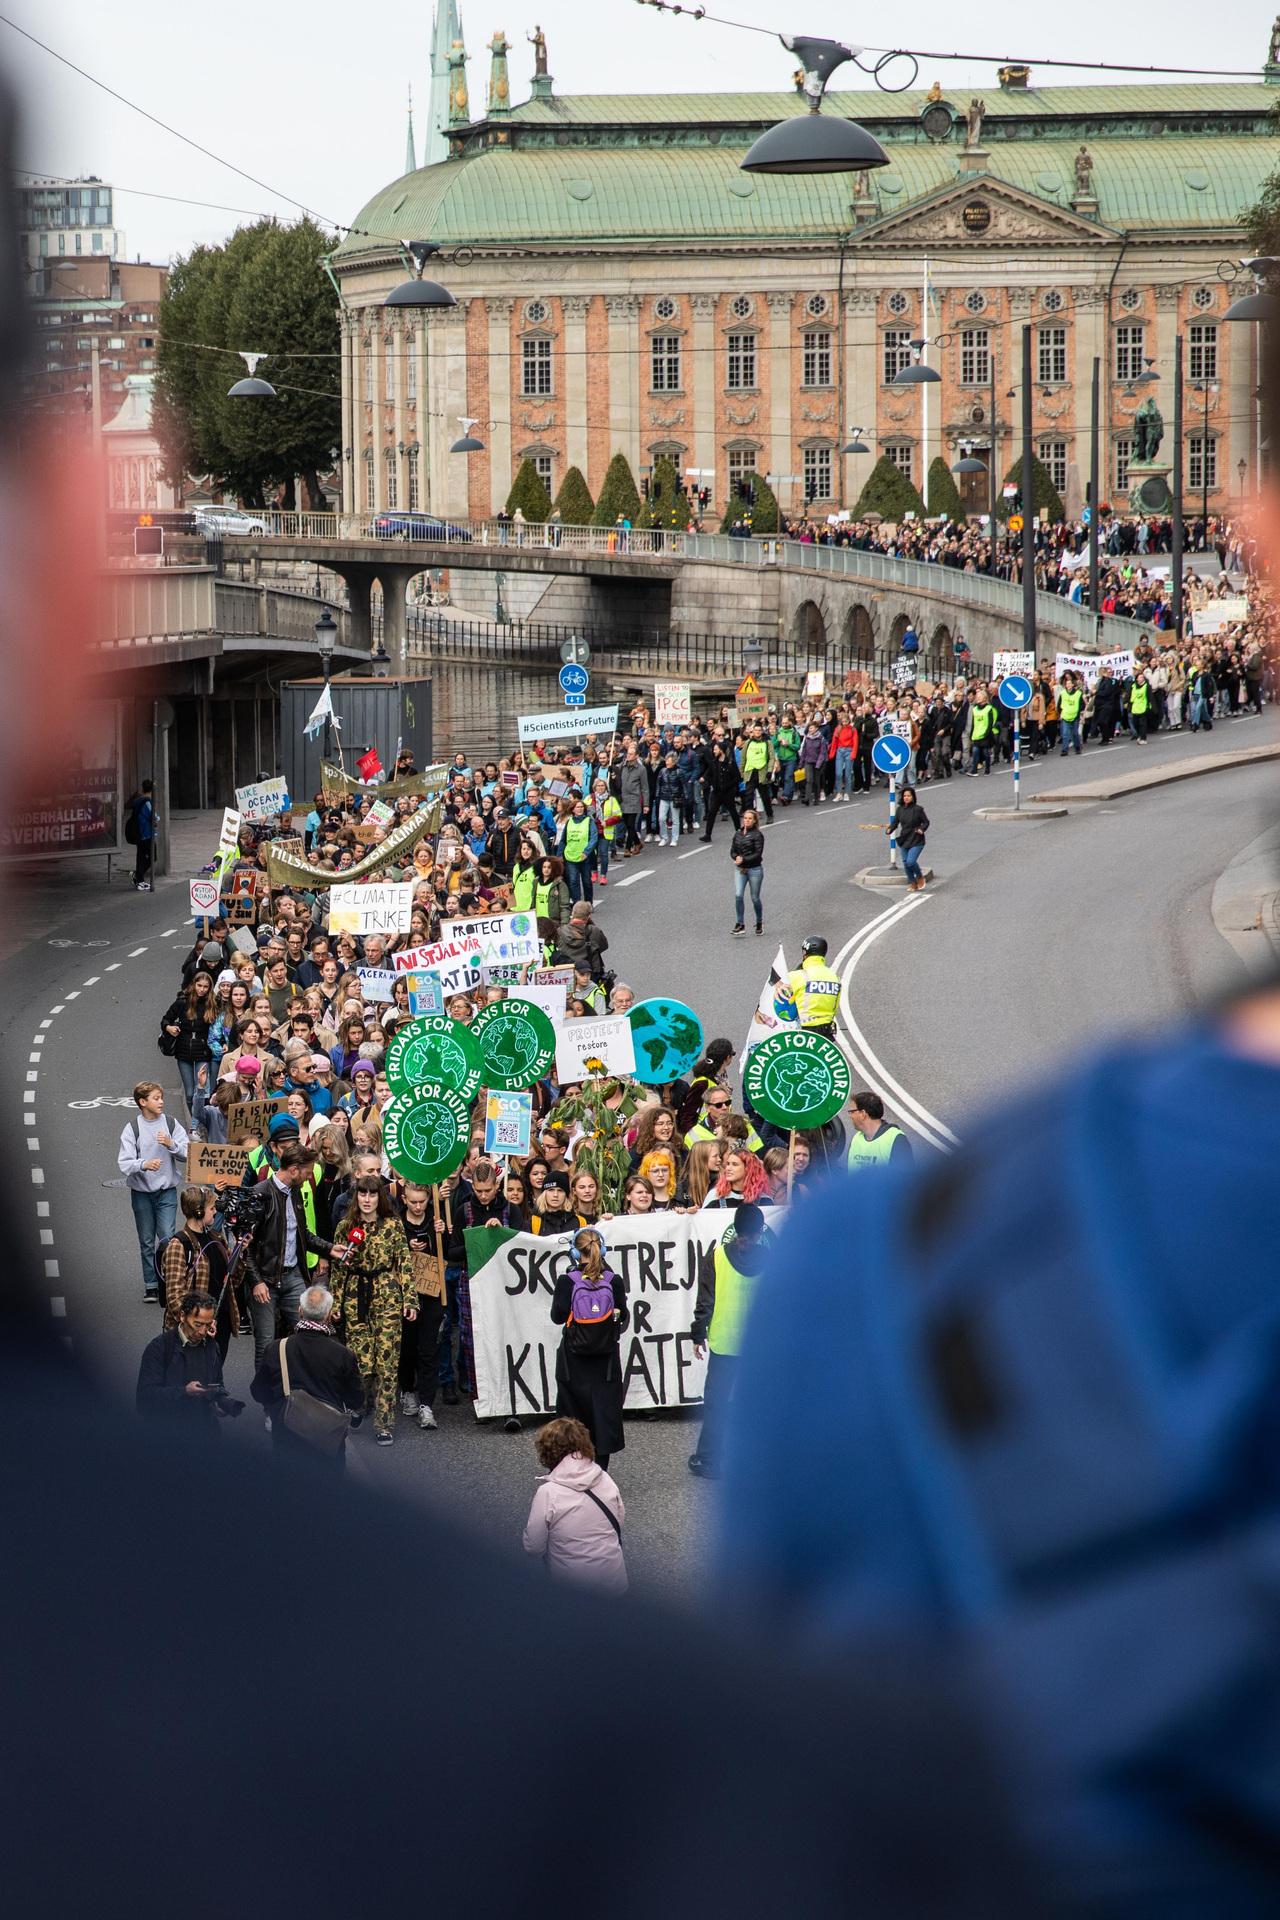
x,y
326,640
1242,468
1095,383
1028,491
1175,558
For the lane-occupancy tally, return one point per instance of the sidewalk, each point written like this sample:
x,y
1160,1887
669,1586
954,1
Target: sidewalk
x,y
1246,903
56,898
1120,785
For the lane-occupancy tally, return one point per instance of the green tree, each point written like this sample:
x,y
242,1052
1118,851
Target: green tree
x,y
1261,221
944,495
1047,499
761,513
889,493
573,502
666,505
529,494
265,290
618,495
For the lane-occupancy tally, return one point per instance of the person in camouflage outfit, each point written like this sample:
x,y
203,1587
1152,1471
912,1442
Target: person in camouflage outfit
x,y
374,1293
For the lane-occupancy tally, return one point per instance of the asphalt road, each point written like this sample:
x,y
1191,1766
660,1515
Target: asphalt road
x,y
1034,940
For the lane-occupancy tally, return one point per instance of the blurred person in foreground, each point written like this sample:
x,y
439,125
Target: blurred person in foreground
x,y
126,1557
1056,1454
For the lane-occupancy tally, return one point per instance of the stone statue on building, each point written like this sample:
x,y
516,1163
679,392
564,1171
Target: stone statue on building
x,y
1273,50
538,41
1084,174
973,124
1148,431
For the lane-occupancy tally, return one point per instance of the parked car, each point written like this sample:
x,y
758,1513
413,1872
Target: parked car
x,y
417,526
233,520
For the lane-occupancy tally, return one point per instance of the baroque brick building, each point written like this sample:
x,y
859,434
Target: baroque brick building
x,y
623,285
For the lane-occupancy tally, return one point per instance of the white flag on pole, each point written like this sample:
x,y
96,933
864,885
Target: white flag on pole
x,y
766,1019
322,711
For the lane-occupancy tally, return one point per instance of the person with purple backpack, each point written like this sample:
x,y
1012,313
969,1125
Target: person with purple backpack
x,y
590,1303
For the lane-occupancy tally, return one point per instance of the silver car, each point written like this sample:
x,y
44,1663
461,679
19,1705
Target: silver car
x,y
233,520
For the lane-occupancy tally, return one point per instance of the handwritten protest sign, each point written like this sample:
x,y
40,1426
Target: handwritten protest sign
x,y
216,1166
249,1119
607,1040
263,799
378,906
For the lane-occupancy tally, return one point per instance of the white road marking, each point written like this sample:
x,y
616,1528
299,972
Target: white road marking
x,y
75,995
36,1057
932,1130
93,980
37,1175
29,1119
167,932
114,967
645,873
51,1270
693,851
42,1209
46,1235
52,1011
136,952
58,1307
29,1097
33,1146
38,1039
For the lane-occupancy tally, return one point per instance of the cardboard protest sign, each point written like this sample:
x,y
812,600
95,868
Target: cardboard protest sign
x,y
249,1119
672,703
607,1041
216,1166
379,906
660,1256
551,977
1006,662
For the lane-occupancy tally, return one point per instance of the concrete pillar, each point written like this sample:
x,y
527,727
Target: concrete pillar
x,y
395,585
574,307
780,452
703,385
501,471
359,580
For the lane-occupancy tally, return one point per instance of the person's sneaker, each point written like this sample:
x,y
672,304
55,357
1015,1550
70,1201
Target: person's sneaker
x,y
738,932
409,1403
152,1297
759,931
144,886
384,1439
426,1419
451,1395
602,879
702,1469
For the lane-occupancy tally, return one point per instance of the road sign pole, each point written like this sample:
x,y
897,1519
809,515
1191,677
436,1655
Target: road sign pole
x,y
1017,761
893,819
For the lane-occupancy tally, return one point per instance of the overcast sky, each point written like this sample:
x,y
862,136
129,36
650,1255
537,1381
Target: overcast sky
x,y
311,98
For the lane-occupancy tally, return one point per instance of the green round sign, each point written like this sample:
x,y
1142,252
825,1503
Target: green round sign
x,y
517,1044
434,1048
797,1079
425,1133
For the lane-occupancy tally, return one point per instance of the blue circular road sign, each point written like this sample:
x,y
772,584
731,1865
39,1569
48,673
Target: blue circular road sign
x,y
890,753
1015,690
573,678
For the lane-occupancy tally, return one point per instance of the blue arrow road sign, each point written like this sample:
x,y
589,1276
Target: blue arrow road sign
x,y
1015,690
575,699
573,678
890,754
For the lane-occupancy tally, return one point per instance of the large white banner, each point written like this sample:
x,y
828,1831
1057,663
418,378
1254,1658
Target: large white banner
x,y
567,724
659,1255
1119,665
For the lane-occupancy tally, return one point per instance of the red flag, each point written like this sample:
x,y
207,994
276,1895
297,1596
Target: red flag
x,y
369,765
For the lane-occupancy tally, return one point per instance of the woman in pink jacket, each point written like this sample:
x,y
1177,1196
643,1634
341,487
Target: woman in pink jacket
x,y
575,1522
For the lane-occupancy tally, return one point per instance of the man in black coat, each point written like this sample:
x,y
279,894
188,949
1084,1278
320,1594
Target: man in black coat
x,y
180,1377
318,1365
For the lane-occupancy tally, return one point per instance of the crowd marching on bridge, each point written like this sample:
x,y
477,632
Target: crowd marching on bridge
x,y
283,1025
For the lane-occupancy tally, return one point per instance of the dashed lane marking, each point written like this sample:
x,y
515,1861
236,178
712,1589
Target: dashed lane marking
x,y
136,951
645,873
93,980
692,853
114,967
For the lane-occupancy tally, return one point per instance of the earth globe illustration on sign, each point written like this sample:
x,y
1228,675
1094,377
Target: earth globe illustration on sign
x,y
797,1081
667,1037
434,1048
511,1043
428,1133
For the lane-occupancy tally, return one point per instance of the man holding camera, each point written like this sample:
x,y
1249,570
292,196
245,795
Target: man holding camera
x,y
180,1378
279,1243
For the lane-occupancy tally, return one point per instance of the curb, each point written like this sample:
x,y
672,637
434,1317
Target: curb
x,y
1160,776
1245,904
1021,813
887,879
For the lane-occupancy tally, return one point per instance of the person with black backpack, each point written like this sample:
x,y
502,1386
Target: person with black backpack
x,y
590,1303
197,1259
140,833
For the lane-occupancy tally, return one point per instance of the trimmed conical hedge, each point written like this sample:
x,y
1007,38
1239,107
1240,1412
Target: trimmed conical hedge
x,y
529,494
889,493
618,495
573,502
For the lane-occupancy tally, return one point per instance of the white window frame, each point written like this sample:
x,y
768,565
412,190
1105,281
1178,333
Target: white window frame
x,y
389,369
411,369
536,376
1202,350
818,466
393,481
1052,455
740,371
1124,459
975,357
1051,356
414,481
902,454
1202,454
1131,339
664,363
895,353
739,462
815,365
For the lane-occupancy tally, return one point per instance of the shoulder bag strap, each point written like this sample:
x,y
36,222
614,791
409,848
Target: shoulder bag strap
x,y
284,1365
608,1512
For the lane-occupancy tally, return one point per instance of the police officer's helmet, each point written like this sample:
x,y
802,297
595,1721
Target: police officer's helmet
x,y
814,946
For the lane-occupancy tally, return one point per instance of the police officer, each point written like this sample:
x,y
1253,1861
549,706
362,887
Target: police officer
x,y
876,1142
811,995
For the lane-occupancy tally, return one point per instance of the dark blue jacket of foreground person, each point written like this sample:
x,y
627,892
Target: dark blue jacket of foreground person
x,y
1039,1419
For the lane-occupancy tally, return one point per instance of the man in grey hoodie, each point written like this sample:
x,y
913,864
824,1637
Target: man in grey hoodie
x,y
153,1150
